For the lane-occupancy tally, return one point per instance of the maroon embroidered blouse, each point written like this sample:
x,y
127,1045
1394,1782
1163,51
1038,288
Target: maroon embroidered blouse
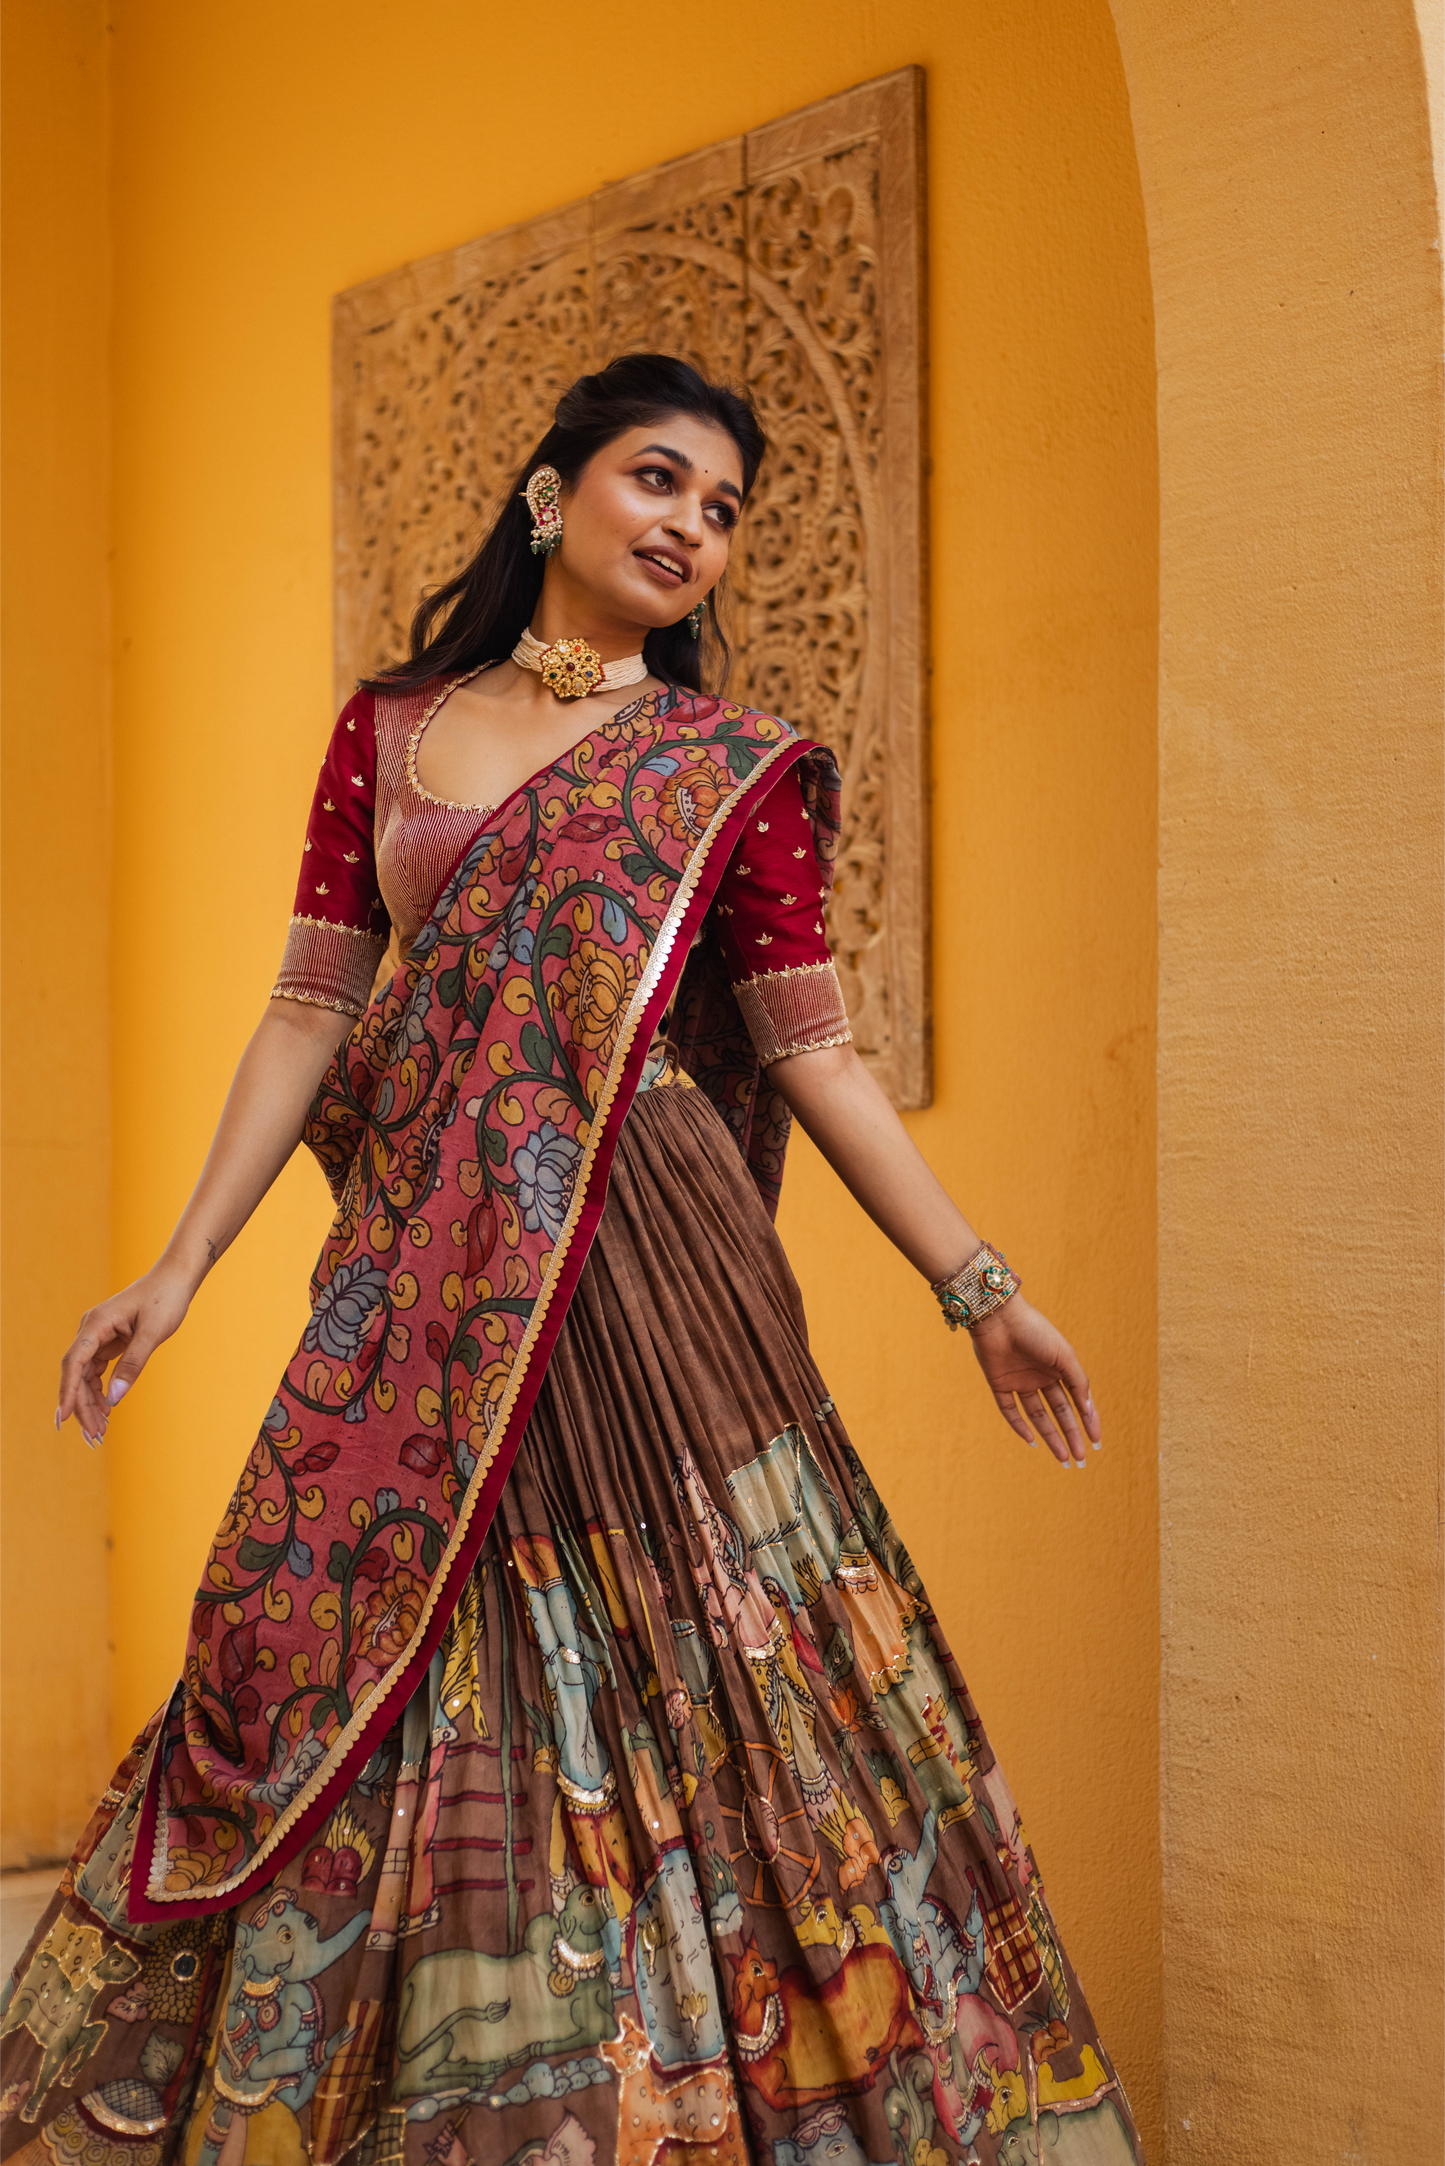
x,y
379,846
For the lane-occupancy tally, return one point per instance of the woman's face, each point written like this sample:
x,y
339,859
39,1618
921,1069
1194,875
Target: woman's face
x,y
646,529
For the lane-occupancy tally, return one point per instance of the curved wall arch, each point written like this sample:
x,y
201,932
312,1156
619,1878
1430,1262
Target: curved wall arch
x,y
1285,157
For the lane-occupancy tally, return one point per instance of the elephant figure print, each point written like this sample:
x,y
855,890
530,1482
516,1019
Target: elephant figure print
x,y
53,2001
973,2043
466,2016
825,2139
677,1987
941,1961
271,2047
1092,2136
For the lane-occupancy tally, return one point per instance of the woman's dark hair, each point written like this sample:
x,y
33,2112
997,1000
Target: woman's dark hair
x,y
481,614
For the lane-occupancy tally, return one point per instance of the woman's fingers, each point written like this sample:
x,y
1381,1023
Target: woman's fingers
x,y
78,1397
1038,1413
99,1339
1033,1372
1062,1408
1008,1407
1071,1375
1052,1412
125,1330
144,1343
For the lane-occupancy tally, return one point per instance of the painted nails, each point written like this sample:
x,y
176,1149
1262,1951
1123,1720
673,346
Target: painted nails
x,y
119,1386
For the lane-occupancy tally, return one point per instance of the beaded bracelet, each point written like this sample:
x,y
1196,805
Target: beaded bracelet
x,y
984,1284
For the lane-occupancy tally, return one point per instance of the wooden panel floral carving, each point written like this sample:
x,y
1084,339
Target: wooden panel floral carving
x,y
789,259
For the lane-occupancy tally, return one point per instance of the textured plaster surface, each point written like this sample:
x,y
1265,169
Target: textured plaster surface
x,y
1285,157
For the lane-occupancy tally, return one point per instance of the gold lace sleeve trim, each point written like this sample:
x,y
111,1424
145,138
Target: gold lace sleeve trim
x,y
794,1011
328,966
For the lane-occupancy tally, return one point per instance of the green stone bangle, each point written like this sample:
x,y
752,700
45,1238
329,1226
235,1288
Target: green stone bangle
x,y
984,1284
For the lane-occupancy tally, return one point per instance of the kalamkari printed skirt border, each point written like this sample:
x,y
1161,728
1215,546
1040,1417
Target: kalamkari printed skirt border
x,y
691,1851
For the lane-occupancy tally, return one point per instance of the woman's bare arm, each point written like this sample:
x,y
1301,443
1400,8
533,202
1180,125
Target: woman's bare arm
x,y
1031,1369
259,1128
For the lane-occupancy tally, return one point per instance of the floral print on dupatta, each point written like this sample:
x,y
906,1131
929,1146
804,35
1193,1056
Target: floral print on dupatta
x,y
466,1127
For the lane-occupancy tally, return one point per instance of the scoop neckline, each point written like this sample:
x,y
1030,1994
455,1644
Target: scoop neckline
x,y
451,804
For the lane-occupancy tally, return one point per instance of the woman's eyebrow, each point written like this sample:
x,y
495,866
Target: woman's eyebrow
x,y
681,459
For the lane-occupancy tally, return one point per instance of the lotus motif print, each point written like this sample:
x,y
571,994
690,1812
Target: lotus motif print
x,y
344,1309
546,1167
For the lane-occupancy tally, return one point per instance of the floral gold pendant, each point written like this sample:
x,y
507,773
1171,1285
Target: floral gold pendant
x,y
571,668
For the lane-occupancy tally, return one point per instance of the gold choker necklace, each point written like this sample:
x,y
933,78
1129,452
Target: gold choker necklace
x,y
571,669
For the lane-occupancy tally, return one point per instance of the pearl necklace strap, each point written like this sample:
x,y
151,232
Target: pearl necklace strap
x,y
571,668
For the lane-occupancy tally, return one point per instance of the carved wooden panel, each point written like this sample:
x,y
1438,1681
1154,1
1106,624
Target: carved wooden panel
x,y
790,260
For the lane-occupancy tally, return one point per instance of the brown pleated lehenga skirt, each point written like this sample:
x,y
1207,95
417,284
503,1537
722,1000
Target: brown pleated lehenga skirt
x,y
691,1847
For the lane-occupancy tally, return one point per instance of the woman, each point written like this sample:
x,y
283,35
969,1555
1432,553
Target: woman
x,y
567,1765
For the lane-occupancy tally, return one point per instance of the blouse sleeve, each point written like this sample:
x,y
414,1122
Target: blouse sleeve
x,y
770,921
340,928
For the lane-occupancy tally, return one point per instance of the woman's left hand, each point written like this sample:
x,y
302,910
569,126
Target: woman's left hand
x,y
1035,1376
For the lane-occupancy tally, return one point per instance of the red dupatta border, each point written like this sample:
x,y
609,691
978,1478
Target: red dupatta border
x,y
696,885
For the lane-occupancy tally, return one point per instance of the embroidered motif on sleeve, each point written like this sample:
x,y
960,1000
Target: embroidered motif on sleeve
x,y
796,1004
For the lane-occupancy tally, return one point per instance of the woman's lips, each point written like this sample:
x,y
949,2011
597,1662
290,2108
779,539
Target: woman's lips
x,y
666,569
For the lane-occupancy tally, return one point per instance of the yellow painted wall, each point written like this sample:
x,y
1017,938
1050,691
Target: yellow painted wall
x,y
54,910
1296,261
1285,177
263,161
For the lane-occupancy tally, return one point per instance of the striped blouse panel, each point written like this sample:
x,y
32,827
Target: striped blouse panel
x,y
419,838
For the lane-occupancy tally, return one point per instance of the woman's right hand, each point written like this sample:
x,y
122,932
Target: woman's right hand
x,y
131,1325
290,1051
